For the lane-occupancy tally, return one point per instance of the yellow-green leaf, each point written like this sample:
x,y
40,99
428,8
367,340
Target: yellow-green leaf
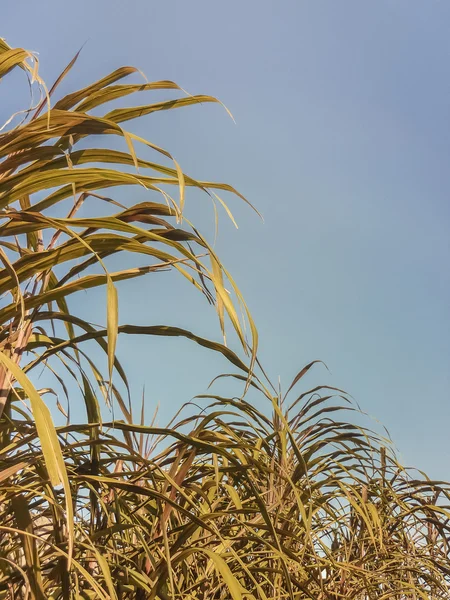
x,y
112,322
48,437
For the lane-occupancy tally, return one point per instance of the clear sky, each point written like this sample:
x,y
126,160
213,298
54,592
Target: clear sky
x,y
342,141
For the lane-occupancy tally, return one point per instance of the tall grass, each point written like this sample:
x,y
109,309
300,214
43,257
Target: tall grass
x,y
290,501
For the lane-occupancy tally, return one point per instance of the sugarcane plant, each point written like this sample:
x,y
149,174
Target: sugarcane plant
x,y
261,494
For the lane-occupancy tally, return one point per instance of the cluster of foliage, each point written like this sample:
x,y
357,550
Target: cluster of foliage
x,y
233,502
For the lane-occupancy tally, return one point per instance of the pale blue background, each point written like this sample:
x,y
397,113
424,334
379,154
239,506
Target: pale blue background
x,y
342,141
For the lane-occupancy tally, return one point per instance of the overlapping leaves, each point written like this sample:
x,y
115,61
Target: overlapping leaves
x,y
47,259
226,503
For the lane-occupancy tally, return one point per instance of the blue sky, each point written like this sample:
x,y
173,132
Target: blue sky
x,y
342,141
